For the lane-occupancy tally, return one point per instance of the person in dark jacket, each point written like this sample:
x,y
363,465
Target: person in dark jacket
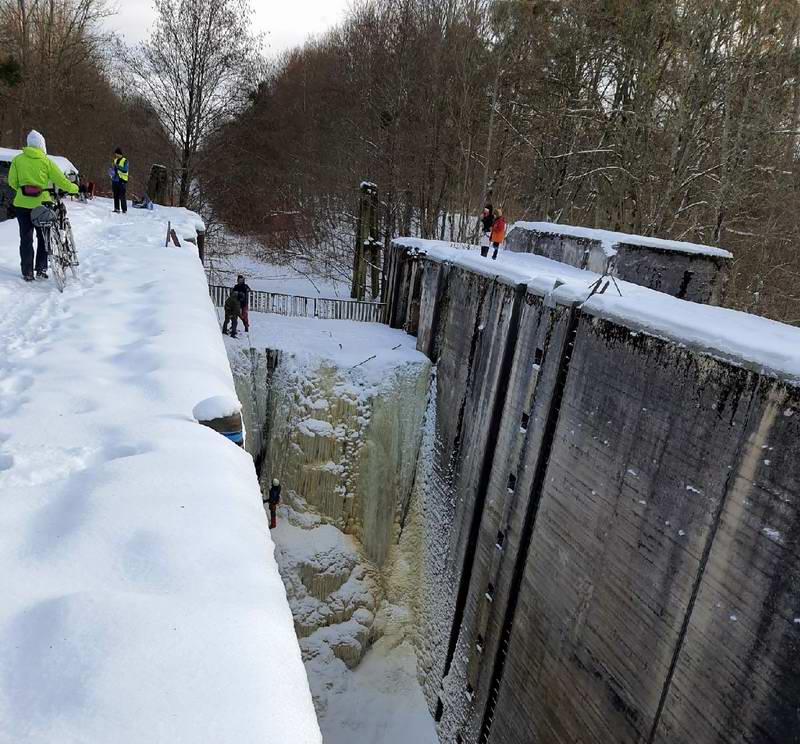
x,y
233,311
487,219
244,300
273,500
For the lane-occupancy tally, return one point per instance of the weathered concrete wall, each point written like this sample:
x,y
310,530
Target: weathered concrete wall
x,y
584,253
506,520
633,486
619,547
469,330
691,276
737,678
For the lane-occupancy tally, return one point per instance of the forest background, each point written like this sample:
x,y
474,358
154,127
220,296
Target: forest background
x,y
678,119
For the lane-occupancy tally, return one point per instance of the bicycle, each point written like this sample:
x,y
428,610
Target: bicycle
x,y
59,242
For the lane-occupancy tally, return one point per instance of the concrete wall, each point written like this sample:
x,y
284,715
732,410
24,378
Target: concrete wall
x,y
691,276
619,543
737,678
467,331
633,487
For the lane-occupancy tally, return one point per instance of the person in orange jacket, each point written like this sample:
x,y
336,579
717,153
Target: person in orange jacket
x,y
498,231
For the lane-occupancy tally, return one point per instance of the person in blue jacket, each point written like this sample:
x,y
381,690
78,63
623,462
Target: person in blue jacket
x,y
273,500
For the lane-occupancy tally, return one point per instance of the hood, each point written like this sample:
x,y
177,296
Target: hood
x,y
37,140
34,152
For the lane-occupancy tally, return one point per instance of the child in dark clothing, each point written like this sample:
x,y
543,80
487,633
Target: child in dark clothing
x,y
487,218
233,311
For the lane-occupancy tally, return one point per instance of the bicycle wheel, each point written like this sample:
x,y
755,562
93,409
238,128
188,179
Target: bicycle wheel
x,y
71,252
55,255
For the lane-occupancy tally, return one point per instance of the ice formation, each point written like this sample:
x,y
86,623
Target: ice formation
x,y
343,437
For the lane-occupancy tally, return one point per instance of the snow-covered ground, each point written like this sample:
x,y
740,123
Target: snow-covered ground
x,y
374,347
381,701
140,597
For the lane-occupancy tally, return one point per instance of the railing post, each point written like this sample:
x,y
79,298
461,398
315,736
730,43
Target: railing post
x,y
201,245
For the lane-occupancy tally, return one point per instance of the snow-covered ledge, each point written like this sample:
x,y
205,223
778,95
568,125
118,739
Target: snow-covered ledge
x,y
685,270
141,599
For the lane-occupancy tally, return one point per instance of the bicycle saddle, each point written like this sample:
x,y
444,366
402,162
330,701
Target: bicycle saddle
x,y
43,216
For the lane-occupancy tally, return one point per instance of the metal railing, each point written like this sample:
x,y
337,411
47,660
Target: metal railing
x,y
305,307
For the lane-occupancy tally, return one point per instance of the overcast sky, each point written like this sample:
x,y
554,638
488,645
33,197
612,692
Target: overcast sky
x,y
285,23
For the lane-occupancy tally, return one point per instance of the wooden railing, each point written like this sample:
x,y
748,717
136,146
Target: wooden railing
x,y
305,307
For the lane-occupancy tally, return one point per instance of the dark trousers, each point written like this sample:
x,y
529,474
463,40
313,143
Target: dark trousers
x,y
245,318
485,244
273,515
26,243
233,319
120,201
495,246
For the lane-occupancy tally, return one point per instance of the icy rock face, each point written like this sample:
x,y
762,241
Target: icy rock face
x,y
345,446
348,446
253,371
419,574
331,589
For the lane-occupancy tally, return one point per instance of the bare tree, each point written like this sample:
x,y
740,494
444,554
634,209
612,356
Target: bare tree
x,y
197,70
657,117
45,41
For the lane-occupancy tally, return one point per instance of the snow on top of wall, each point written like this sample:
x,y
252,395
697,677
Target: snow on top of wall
x,y
610,240
469,257
186,223
217,406
141,598
746,340
67,167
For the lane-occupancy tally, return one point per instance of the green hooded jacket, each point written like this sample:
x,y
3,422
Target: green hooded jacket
x,y
232,305
33,168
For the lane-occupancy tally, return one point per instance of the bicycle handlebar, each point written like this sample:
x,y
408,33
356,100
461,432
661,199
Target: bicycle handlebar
x,y
58,193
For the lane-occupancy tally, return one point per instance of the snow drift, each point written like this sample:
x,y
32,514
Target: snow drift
x,y
141,598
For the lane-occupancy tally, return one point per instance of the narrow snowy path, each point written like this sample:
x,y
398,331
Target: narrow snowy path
x,y
141,601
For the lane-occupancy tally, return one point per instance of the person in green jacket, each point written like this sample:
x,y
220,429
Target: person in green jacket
x,y
30,176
